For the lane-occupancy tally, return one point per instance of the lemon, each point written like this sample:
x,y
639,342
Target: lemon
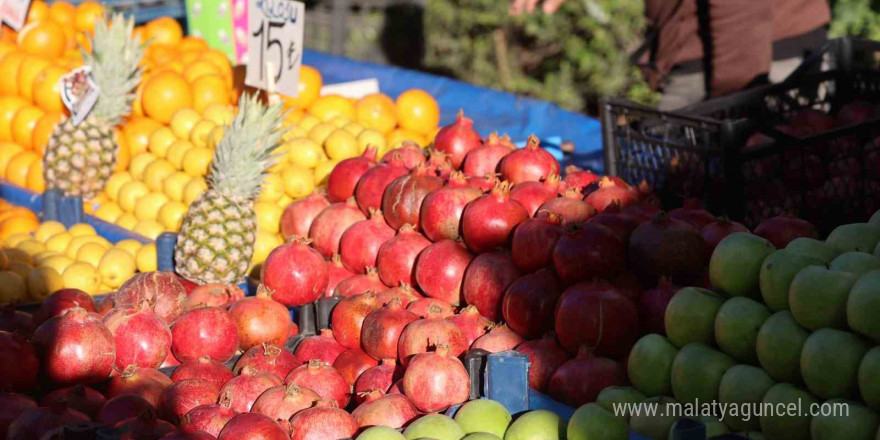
x,y
82,276
131,193
4,260
193,189
214,137
272,188
81,229
219,114
114,183
20,268
108,212
353,128
43,256
156,173
295,132
298,182
116,267
174,185
176,152
263,245
201,132
183,121
268,216
160,140
148,206
171,215
320,132
304,152
14,239
139,163
280,161
129,245
323,170
42,282
149,228
12,288
340,121
126,221
341,145
197,161
285,200
31,247
370,137
59,241
308,122
47,229
78,242
90,253
146,258
58,262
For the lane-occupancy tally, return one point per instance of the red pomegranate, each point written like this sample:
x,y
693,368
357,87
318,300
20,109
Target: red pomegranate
x,y
586,252
545,356
529,303
35,422
18,371
105,304
782,229
436,380
181,397
328,226
408,154
440,215
488,222
144,426
16,321
652,307
13,405
579,381
486,279
371,187
122,408
578,178
360,243
439,164
188,285
323,379
393,410
203,368
398,256
267,357
641,212
380,377
253,426
170,360
667,247
692,212
620,223
404,293
570,207
471,323
260,319
352,362
298,216
358,284
180,435
214,295
74,347
283,401
403,197
336,272
529,163
628,284
458,139
205,331
141,337
533,242
484,183
160,290
61,301
500,338
321,422
440,268
148,383
208,418
295,272
609,192
77,397
532,194
382,328
421,306
243,390
433,331
596,314
485,159
348,316
716,231
345,175
322,347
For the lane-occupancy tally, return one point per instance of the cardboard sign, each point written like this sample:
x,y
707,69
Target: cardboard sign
x,y
14,12
352,89
79,93
275,44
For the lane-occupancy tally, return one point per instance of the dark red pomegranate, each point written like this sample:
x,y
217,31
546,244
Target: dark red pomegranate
x,y
205,331
533,242
16,321
295,273
360,243
403,293
597,315
141,337
105,304
148,383
436,380
181,397
203,368
579,381
77,397
18,371
484,183
440,268
500,338
403,197
641,212
352,362
35,422
570,207
628,284
586,252
578,178
243,390
532,195
609,192
486,279
393,410
471,323
298,216
382,328
159,290
61,301
322,347
348,318
529,163
74,348
488,222
253,426
782,229
420,307
620,223
529,303
208,418
13,405
380,377
439,164
188,285
408,154
345,175
545,356
330,224
652,307
692,212
716,231
283,401
458,139
144,427
421,335
440,215
214,295
122,408
180,435
667,247
371,187
362,283
397,256
336,272
267,357
485,159
323,421
260,319
323,379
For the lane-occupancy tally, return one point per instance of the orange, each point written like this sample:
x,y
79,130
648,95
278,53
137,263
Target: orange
x,y
29,69
9,72
62,13
161,54
44,129
23,124
45,38
17,168
6,48
199,68
87,13
83,41
137,105
9,106
190,43
7,151
137,133
417,111
35,177
308,88
46,91
123,152
209,89
219,60
188,57
377,111
328,107
39,11
18,224
164,94
164,30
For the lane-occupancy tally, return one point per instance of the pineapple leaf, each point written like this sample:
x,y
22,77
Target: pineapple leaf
x,y
116,54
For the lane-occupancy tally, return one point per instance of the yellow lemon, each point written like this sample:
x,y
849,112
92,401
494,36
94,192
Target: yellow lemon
x,y
126,221
156,173
160,141
146,258
139,163
201,132
129,245
193,189
81,229
77,242
398,137
308,122
108,212
176,152
340,121
183,121
284,200
323,170
131,193
21,268
197,161
43,256
272,188
263,245
214,137
321,131
149,228
268,216
42,282
174,185
341,145
47,229
148,207
304,152
91,253
298,182
58,262
116,267
31,247
370,137
12,288
59,241
114,183
14,239
295,132
219,114
171,215
353,128
82,276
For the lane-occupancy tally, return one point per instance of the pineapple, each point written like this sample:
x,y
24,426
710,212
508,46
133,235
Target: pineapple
x,y
80,158
216,241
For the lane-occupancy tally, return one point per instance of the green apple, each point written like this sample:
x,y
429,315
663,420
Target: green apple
x,y
619,396
858,237
655,425
856,263
863,306
735,265
483,415
380,433
779,346
537,425
690,316
830,363
649,365
869,371
434,426
812,247
777,272
818,297
696,373
789,419
592,422
845,420
742,388
481,436
736,327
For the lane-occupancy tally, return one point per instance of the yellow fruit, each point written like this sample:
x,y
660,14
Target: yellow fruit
x,y
114,183
219,114
160,140
214,137
304,152
323,170
148,207
340,121
149,228
126,221
21,268
156,173
200,133
91,253
31,247
193,189
129,245
353,128
272,189
130,194
77,242
308,122
43,256
7,151
330,106
197,161
263,245
109,212
82,276
42,282
14,239
47,229
146,258
12,288
320,132
171,215
280,161
81,229
268,216
176,152
284,200
183,121
59,241
116,267
139,163
298,182
341,145
370,137
57,262
295,132
174,185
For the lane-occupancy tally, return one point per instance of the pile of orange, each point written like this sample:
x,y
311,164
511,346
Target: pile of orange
x,y
16,220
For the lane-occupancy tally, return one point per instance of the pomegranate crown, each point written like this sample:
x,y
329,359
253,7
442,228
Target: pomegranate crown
x,y
371,153
502,189
533,142
461,119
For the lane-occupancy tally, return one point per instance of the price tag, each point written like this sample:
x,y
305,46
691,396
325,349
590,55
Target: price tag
x,y
352,89
79,93
275,43
14,12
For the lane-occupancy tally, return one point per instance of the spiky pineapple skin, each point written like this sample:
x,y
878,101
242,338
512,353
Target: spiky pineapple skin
x,y
216,240
80,159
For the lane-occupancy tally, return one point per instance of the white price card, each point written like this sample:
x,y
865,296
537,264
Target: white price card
x,y
275,43
14,12
79,93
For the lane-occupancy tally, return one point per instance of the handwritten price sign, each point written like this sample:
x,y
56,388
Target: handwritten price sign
x,y
275,42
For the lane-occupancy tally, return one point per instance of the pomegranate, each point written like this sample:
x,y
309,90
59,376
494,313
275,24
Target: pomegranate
x,y
345,175
667,247
529,163
380,377
328,226
716,231
181,397
529,303
106,304
404,293
267,357
348,316
483,183
485,159
420,335
588,251
358,284
440,215
440,268
471,323
652,307
782,229
500,338
205,331
393,410
295,273
61,301
439,164
545,356
180,435
408,154
298,216
144,427
283,401
74,347
420,307
360,243
122,408
596,314
203,368
208,418
141,337
691,212
352,362
260,319
16,321
488,221
371,187
243,390
34,422
323,379
628,284
578,178
397,256
579,381
159,290
569,206
620,223
13,405
77,397
322,347
323,421
336,272
382,328
641,212
403,197
396,388
532,194
214,295
458,139
18,371
609,192
148,383
253,426
436,380
188,285
486,279
533,242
